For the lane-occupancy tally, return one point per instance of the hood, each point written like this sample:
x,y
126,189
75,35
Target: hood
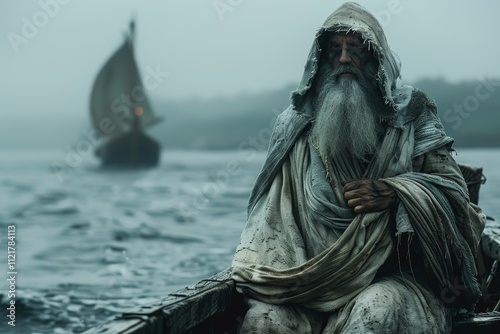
x,y
351,17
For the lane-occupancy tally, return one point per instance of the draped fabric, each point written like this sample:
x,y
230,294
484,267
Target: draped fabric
x,y
304,246
287,255
391,304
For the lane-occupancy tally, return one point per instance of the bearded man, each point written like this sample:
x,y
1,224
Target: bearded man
x,y
360,220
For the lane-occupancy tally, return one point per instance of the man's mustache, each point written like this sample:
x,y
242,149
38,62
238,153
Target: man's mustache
x,y
346,69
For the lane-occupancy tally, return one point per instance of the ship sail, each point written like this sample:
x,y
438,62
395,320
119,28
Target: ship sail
x,y
118,94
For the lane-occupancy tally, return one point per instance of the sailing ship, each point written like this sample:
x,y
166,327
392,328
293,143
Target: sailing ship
x,y
120,111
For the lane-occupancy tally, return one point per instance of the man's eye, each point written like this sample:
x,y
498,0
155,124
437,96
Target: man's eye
x,y
357,45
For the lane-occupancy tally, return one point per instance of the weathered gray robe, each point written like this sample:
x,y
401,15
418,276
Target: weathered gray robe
x,y
304,251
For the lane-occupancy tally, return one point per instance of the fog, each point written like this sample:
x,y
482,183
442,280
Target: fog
x,y
52,50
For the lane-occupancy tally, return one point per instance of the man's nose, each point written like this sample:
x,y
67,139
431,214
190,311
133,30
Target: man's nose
x,y
345,57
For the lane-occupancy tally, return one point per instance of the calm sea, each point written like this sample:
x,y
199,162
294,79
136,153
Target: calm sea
x,y
91,243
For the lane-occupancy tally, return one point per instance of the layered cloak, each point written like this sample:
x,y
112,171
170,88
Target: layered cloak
x,y
302,244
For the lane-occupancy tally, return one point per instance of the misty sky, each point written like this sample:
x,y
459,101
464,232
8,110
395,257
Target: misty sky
x,y
242,46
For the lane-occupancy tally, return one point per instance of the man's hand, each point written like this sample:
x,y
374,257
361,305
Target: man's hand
x,y
365,195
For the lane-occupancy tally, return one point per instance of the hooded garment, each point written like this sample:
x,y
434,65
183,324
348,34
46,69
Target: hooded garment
x,y
284,257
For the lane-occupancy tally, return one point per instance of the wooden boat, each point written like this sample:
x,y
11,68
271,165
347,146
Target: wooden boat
x,y
120,111
213,305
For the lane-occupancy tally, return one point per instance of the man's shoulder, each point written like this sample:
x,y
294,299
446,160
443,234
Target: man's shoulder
x,y
291,120
429,131
420,103
420,108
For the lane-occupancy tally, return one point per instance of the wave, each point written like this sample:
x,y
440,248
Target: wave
x,y
57,311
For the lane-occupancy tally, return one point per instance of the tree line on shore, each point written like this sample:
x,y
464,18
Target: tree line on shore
x,y
469,111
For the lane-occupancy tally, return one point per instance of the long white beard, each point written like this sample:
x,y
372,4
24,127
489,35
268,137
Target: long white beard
x,y
346,118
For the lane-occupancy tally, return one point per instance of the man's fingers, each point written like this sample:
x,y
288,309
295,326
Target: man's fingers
x,y
350,195
347,187
369,202
355,202
360,209
357,184
362,192
350,185
355,187
365,195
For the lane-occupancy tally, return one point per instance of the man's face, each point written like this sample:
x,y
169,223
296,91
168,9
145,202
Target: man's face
x,y
347,49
